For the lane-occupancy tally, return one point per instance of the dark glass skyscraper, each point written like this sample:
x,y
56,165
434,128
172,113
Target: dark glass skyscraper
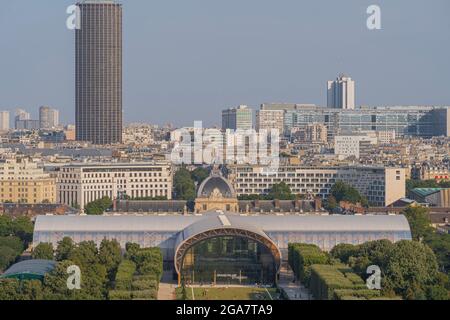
x,y
98,96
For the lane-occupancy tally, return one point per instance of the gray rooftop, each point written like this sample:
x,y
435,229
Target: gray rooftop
x,y
266,223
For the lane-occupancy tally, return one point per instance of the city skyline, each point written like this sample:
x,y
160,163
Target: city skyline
x,y
239,65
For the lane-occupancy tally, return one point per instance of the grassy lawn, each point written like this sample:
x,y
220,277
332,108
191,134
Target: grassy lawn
x,y
232,293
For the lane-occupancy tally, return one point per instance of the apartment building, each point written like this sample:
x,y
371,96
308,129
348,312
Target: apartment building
x,y
382,186
270,119
80,184
22,181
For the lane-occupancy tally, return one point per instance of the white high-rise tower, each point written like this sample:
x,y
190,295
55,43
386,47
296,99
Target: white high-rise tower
x,y
341,93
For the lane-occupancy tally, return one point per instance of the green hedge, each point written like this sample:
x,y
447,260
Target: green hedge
x,y
302,256
145,294
119,295
144,285
343,294
124,275
325,279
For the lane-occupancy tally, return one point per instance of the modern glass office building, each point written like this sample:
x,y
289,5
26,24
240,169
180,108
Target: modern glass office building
x,y
413,121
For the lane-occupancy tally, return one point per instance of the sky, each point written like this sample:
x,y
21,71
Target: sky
x,y
188,60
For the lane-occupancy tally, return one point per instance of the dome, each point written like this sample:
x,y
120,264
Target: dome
x,y
216,185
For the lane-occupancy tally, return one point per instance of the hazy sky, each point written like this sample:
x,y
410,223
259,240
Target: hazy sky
x,y
186,60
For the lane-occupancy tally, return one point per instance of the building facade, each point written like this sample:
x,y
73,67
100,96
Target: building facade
x,y
80,184
412,121
352,145
48,118
341,93
381,186
240,118
4,120
23,181
98,89
270,119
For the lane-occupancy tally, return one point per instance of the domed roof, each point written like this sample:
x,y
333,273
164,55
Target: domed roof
x,y
216,185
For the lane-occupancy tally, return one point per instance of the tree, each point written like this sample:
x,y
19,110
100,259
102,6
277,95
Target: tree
x,y
281,191
64,249
43,251
344,251
55,283
184,185
31,290
132,251
440,243
7,257
419,221
410,268
23,228
85,254
342,191
6,226
9,289
331,203
110,255
200,174
98,207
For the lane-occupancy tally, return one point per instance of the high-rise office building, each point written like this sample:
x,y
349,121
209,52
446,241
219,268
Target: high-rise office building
x,y
48,118
98,45
237,118
341,93
23,121
4,120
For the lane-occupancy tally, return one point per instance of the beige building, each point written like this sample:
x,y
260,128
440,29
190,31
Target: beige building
x,y
314,132
270,119
4,120
80,184
22,181
382,186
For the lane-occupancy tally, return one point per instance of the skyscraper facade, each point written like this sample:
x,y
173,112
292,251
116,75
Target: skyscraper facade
x,y
48,118
341,93
240,118
4,120
98,93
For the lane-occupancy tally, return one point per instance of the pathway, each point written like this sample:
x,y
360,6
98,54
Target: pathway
x,y
294,290
167,287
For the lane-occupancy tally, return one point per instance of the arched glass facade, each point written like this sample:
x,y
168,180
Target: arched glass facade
x,y
229,260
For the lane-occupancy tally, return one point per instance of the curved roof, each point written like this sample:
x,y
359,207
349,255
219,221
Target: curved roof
x,y
176,223
29,269
218,226
216,181
214,222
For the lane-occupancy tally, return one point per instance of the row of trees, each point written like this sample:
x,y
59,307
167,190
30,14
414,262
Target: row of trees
x,y
409,268
412,184
98,266
342,191
98,207
15,236
279,191
138,275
